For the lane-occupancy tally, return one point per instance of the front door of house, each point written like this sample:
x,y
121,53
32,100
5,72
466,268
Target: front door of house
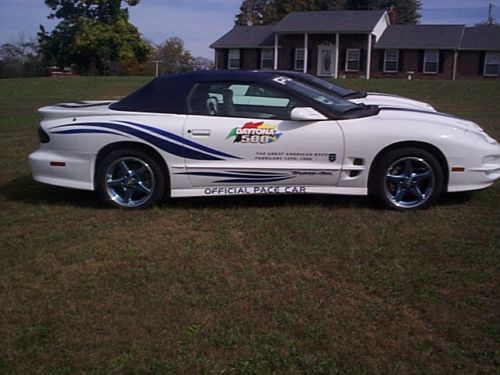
x,y
326,61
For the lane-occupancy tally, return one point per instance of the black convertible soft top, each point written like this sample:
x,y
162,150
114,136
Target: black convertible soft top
x,y
168,93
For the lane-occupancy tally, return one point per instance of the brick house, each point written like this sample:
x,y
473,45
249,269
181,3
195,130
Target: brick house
x,y
362,44
479,54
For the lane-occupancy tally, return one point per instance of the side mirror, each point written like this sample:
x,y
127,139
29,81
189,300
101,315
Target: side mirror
x,y
306,114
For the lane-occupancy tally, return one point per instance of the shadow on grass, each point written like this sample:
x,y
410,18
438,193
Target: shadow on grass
x,y
264,201
450,199
25,190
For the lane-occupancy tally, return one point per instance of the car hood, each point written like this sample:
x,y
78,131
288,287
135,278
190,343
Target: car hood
x,y
388,100
437,118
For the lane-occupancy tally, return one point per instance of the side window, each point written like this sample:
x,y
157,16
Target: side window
x,y
391,57
431,61
352,60
233,60
267,59
491,64
299,59
246,100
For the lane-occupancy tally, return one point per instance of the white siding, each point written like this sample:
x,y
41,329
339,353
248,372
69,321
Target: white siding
x,y
380,27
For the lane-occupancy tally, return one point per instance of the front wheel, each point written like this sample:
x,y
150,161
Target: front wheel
x,y
407,179
130,179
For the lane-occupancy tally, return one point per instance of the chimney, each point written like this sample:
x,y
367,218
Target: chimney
x,y
392,15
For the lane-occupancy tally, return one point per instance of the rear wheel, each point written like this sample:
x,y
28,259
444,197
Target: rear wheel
x,y
130,179
408,179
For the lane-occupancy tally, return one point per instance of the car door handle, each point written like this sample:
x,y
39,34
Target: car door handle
x,y
200,132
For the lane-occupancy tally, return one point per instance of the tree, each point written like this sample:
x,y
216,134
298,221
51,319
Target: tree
x,y
174,56
407,11
92,35
19,58
255,12
265,12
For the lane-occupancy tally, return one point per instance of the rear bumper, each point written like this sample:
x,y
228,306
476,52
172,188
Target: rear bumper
x,y
68,169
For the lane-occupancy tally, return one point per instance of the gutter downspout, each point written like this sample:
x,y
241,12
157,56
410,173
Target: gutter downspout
x,y
455,60
276,51
369,57
306,51
337,40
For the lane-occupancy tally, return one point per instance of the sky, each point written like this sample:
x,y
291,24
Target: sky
x,y
200,22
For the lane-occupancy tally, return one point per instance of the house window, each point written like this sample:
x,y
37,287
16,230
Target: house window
x,y
234,59
352,60
267,59
391,61
431,61
492,64
299,59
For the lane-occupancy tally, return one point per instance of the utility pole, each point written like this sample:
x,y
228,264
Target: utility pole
x,y
157,62
491,20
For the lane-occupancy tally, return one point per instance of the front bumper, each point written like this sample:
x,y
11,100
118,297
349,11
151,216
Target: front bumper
x,y
482,169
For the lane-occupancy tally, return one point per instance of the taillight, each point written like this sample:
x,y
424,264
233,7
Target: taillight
x,y
42,135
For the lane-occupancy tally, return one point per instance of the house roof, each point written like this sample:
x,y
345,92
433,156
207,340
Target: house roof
x,y
486,38
422,37
330,21
246,37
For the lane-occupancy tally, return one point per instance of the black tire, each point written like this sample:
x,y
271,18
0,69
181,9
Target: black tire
x,y
407,179
130,179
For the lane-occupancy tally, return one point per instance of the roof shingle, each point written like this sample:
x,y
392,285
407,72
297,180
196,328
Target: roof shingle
x,y
246,37
330,21
486,38
421,37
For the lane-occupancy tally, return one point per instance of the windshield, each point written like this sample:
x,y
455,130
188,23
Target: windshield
x,y
339,90
332,102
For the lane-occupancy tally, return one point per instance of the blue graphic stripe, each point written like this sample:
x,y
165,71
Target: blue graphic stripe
x,y
185,141
89,131
256,173
170,147
239,181
234,174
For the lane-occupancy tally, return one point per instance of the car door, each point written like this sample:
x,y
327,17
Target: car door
x,y
249,139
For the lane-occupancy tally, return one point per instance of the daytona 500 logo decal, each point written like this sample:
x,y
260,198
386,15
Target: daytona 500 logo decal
x,y
255,132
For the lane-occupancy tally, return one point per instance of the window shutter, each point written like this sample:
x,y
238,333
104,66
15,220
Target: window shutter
x,y
309,59
292,59
226,59
342,59
441,61
381,57
242,56
362,60
401,60
421,60
258,55
482,56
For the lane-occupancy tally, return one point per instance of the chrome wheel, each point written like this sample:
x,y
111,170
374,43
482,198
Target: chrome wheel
x,y
129,182
409,182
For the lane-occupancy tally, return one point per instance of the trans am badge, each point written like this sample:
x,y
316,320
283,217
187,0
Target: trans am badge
x,y
255,132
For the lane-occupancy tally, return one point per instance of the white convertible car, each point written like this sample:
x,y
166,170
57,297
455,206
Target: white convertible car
x,y
358,97
242,133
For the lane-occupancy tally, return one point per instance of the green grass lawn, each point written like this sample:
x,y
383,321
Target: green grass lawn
x,y
302,284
